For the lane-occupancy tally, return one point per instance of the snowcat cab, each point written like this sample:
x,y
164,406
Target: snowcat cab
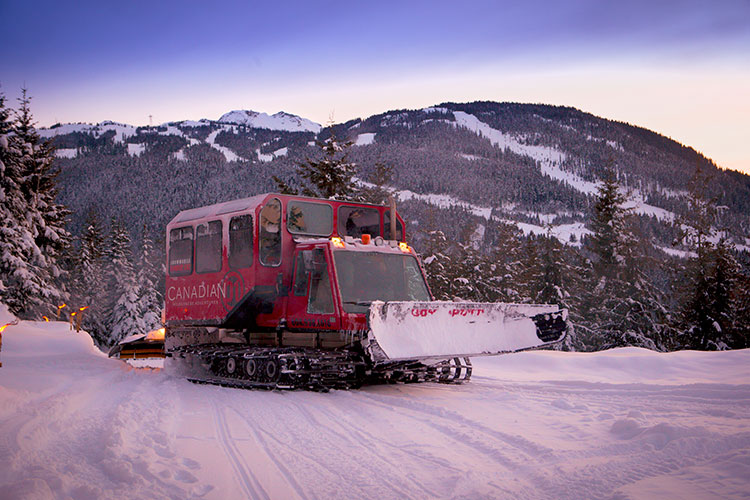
x,y
287,291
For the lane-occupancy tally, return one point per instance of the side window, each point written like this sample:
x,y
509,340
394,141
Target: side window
x,y
270,233
356,221
301,273
321,298
387,227
241,241
314,219
208,247
181,251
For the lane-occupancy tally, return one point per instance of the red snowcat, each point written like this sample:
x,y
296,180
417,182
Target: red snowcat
x,y
281,291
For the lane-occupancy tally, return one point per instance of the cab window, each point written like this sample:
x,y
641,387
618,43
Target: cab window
x,y
313,219
356,221
208,247
241,241
387,227
270,233
181,251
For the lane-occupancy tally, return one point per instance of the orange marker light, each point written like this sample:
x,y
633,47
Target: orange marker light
x,y
365,239
83,308
404,247
337,242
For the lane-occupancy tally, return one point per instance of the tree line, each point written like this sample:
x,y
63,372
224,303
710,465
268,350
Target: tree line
x,y
617,290
47,273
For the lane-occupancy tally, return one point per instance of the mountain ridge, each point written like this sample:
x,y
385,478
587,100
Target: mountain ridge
x,y
543,161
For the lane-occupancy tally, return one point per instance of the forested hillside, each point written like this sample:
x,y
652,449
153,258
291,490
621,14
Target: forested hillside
x,y
504,201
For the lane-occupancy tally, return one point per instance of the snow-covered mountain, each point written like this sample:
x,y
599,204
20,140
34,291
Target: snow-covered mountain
x,y
277,121
531,164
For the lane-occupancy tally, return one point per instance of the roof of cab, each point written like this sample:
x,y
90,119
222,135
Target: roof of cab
x,y
241,205
218,209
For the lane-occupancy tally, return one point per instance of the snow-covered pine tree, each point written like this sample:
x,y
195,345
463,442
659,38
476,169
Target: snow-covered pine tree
x,y
378,192
124,317
621,306
437,264
45,218
149,298
32,233
610,238
504,263
708,312
15,239
89,277
329,177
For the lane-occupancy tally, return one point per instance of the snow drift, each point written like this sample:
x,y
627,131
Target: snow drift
x,y
626,423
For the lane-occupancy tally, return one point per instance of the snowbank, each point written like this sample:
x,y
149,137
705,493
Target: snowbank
x,y
625,424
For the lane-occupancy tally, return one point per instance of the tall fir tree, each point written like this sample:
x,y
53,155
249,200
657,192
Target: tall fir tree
x,y
32,275
124,316
329,177
89,277
709,284
622,307
378,192
149,298
16,241
438,264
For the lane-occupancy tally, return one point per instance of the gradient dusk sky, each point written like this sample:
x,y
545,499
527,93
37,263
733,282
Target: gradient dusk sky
x,y
681,68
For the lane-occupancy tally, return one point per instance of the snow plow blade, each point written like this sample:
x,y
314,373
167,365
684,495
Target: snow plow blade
x,y
435,330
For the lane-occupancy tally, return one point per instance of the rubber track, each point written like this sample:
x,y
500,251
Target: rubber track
x,y
301,368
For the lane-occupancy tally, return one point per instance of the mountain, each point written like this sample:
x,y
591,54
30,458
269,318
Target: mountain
x,y
278,121
457,163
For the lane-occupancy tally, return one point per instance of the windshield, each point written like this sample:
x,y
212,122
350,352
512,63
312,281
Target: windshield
x,y
367,276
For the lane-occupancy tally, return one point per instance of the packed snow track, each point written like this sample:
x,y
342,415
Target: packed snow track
x,y
621,424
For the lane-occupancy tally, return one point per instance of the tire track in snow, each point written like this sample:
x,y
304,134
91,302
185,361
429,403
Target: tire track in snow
x,y
247,480
288,476
522,445
342,473
372,443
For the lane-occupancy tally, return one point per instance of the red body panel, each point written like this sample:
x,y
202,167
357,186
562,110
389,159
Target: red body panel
x,y
208,298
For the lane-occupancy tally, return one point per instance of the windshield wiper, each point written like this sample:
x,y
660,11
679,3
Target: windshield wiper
x,y
358,302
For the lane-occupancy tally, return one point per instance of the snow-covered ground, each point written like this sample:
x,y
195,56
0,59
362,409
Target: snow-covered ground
x,y
621,424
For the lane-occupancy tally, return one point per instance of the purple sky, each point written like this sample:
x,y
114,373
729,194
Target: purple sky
x,y
680,68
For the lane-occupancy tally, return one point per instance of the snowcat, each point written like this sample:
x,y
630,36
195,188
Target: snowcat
x,y
283,292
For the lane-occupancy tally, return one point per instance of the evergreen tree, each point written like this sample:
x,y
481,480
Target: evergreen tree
x,y
16,242
437,264
621,305
149,298
330,177
505,266
124,316
709,284
89,277
610,237
377,192
33,278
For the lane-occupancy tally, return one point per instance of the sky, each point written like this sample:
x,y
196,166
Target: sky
x,y
680,68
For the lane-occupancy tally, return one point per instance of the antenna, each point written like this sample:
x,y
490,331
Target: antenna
x,y
150,120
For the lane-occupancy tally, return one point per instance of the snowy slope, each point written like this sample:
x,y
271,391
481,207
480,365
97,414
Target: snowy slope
x,y
277,121
622,424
